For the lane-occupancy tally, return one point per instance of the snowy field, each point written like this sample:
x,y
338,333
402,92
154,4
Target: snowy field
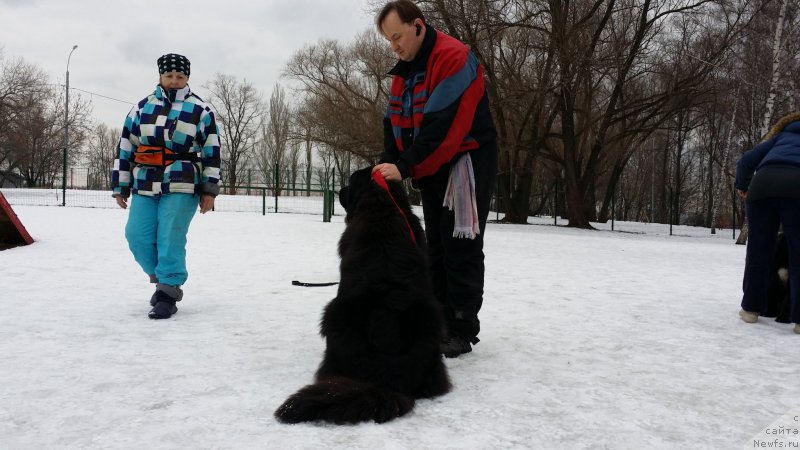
x,y
590,340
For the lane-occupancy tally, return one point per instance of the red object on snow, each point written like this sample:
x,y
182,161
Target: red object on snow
x,y
12,232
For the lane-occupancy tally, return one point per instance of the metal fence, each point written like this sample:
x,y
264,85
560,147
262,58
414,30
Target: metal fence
x,y
247,199
84,190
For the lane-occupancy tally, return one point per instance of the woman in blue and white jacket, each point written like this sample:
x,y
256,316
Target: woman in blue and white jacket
x,y
768,178
169,159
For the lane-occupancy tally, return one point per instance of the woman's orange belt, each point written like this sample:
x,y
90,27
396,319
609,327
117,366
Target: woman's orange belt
x,y
150,155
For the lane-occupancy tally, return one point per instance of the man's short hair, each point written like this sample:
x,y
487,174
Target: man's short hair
x,y
406,10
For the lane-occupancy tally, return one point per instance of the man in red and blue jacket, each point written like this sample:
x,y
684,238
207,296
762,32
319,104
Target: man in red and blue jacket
x,y
437,113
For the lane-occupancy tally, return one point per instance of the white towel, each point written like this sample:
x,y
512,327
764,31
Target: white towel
x,y
460,198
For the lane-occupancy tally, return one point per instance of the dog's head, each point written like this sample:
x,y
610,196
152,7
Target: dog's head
x,y
367,200
351,195
362,192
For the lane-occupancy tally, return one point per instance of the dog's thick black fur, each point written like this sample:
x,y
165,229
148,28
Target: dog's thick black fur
x,y
778,292
384,328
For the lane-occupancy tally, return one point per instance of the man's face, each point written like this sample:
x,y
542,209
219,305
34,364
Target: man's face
x,y
402,36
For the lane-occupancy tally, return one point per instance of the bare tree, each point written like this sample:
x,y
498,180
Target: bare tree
x,y
274,140
36,133
578,90
23,86
765,63
302,135
292,165
101,149
777,45
326,168
579,86
239,110
344,90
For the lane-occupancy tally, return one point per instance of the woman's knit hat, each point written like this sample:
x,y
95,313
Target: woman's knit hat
x,y
173,62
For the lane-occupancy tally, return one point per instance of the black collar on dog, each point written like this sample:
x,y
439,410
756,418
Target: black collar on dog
x,y
378,178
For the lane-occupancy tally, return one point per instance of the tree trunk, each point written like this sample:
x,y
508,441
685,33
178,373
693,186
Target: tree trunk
x,y
232,181
742,239
576,212
711,206
589,197
677,181
773,85
519,203
724,176
503,192
546,196
573,189
776,63
613,183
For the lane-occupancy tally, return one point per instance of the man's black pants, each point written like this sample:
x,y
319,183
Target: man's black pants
x,y
457,265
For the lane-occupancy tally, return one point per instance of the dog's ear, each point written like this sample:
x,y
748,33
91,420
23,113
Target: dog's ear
x,y
350,195
344,194
361,176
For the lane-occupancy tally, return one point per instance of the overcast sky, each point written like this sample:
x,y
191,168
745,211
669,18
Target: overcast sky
x,y
120,41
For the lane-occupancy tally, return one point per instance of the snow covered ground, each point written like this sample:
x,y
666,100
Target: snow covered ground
x,y
591,339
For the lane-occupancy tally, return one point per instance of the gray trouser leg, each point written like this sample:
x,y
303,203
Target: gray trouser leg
x,y
171,290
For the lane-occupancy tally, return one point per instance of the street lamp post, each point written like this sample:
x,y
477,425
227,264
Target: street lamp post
x,y
66,135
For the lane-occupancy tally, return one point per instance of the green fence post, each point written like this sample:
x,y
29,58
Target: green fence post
x,y
733,225
64,171
496,199
326,216
613,207
555,205
277,186
670,211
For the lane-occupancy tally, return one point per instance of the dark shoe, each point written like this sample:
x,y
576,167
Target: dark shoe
x,y
453,346
164,306
163,310
174,292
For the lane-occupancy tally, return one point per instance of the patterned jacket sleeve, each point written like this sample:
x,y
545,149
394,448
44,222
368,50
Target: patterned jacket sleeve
x,y
121,178
210,158
458,87
391,154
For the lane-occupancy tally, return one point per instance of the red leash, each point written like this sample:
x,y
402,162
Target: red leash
x,y
378,178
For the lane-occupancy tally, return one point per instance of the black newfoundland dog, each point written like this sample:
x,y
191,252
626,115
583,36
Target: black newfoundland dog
x,y
778,293
383,329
